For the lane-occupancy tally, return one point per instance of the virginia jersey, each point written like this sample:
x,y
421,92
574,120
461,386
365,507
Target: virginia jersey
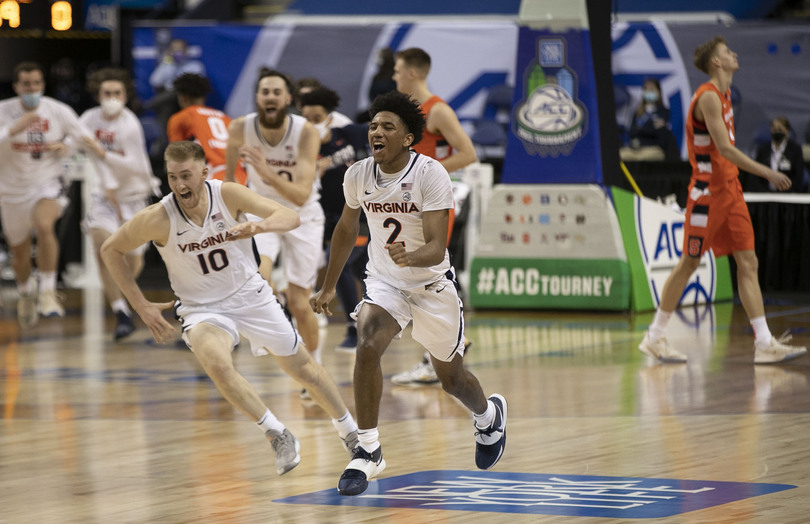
x,y
394,214
123,139
282,158
204,266
28,163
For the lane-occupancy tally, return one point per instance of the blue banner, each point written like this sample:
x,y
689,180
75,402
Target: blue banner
x,y
222,48
555,128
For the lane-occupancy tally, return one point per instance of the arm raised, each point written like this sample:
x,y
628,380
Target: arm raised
x,y
276,218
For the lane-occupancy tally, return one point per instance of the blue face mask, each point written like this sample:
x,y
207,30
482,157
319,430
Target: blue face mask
x,y
650,96
31,100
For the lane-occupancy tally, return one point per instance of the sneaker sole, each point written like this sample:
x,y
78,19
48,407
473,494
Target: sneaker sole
x,y
791,356
667,360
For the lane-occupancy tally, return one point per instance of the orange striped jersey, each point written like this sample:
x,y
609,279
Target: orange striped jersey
x,y
709,167
432,144
209,128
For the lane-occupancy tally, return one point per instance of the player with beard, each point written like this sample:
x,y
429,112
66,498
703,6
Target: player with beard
x,y
280,153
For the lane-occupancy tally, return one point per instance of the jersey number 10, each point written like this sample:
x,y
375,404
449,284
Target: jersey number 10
x,y
217,260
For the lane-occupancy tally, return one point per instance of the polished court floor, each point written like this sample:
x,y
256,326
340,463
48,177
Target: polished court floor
x,y
96,432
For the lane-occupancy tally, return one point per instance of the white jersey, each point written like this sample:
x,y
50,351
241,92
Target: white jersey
x,y
124,141
203,266
394,214
281,158
26,162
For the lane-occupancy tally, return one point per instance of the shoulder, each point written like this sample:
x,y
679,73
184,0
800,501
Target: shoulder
x,y
229,190
236,128
58,107
90,115
356,169
153,219
429,164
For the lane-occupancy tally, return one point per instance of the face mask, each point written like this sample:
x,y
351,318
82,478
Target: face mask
x,y
650,96
31,100
322,130
111,106
777,136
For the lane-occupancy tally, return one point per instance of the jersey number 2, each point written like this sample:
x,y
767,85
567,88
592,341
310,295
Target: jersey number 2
x,y
217,260
395,233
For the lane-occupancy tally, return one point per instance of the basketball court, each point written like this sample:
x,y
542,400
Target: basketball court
x,y
94,431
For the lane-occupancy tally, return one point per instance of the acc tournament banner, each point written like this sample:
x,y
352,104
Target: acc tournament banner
x,y
653,237
549,246
555,130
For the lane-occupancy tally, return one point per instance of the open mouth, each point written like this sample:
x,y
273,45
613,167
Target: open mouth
x,y
186,195
377,146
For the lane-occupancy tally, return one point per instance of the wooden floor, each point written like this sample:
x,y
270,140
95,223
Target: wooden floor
x,y
97,432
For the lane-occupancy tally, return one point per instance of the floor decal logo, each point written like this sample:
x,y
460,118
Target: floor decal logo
x,y
540,494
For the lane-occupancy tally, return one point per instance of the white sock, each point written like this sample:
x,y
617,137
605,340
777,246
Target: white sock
x,y
344,425
659,325
762,335
28,287
269,421
369,439
47,281
485,419
120,305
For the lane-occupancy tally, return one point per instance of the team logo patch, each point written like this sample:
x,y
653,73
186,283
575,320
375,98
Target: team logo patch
x,y
694,246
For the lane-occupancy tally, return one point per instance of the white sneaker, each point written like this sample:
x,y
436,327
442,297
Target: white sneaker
x,y
49,304
777,350
27,311
660,350
420,375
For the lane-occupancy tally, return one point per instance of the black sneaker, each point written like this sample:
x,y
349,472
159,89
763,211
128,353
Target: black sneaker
x,y
363,467
123,325
490,442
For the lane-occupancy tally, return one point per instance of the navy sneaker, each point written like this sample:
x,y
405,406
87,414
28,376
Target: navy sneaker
x,y
349,344
123,325
363,467
490,442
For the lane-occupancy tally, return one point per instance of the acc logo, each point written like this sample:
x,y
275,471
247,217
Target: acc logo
x,y
550,121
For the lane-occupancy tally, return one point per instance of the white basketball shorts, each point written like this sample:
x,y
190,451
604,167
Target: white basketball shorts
x,y
252,313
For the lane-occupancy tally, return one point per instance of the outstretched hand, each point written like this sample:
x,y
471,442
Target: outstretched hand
x,y
152,316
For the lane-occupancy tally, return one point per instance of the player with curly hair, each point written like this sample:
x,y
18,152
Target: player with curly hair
x,y
406,198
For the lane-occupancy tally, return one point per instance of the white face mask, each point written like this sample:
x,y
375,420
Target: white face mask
x,y
323,129
111,107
